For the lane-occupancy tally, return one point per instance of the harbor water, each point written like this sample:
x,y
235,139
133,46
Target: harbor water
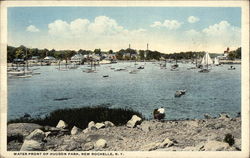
x,y
152,87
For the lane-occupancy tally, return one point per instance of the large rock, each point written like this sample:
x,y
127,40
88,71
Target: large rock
x,y
32,145
61,124
101,143
207,116
108,124
214,146
37,135
34,141
87,146
75,130
166,143
21,129
135,120
99,125
91,125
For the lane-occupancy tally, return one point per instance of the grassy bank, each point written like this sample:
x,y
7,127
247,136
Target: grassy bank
x,y
80,117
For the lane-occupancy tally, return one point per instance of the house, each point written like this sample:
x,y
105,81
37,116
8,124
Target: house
x,y
34,59
49,59
77,58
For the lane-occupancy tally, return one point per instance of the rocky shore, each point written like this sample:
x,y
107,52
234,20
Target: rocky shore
x,y
222,133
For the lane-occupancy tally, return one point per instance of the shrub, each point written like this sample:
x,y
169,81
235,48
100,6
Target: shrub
x,y
80,117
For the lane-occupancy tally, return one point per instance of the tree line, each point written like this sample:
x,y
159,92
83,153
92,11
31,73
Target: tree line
x,y
23,52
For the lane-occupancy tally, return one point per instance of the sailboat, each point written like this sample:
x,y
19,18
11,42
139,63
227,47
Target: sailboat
x,y
206,61
216,61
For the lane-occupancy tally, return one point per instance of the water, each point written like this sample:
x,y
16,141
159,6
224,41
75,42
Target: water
x,y
214,92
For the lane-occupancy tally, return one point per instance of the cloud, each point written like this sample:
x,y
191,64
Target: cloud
x,y
32,28
193,19
169,24
216,36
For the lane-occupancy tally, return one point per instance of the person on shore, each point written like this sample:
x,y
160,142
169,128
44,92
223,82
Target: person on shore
x,y
159,114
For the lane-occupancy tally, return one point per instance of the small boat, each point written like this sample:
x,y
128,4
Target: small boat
x,y
104,76
121,69
231,68
204,70
24,76
179,93
216,62
140,67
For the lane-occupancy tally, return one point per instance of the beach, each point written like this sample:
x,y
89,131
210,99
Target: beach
x,y
207,134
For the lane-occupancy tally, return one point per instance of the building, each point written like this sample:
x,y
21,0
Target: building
x,y
78,58
49,59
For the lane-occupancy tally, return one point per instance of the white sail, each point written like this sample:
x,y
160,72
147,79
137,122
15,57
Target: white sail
x,y
206,60
216,61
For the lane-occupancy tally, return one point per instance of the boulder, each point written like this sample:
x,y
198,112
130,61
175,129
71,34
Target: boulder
x,y
34,141
224,116
91,124
87,146
108,124
99,125
75,130
61,124
214,146
207,116
135,120
37,134
32,145
21,129
166,143
101,143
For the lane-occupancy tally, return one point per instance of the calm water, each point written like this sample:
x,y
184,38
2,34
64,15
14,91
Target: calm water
x,y
214,92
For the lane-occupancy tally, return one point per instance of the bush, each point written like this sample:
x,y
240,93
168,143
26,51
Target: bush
x,y
229,138
80,117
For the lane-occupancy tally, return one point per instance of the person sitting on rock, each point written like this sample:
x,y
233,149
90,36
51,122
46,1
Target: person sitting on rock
x,y
159,114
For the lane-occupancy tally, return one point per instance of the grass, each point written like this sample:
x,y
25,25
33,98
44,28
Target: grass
x,y
80,117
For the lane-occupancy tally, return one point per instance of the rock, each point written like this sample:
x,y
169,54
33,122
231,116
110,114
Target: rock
x,y
32,145
91,124
47,134
108,124
207,116
135,120
223,116
61,124
237,144
22,129
145,127
214,146
86,130
166,143
99,125
150,147
87,146
101,143
75,130
193,123
37,134
34,141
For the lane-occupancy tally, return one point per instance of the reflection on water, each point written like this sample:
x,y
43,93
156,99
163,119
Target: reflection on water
x,y
214,92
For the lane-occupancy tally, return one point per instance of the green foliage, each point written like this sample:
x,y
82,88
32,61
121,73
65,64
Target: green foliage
x,y
80,117
229,138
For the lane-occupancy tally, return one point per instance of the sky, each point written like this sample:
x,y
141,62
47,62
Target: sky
x,y
165,29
